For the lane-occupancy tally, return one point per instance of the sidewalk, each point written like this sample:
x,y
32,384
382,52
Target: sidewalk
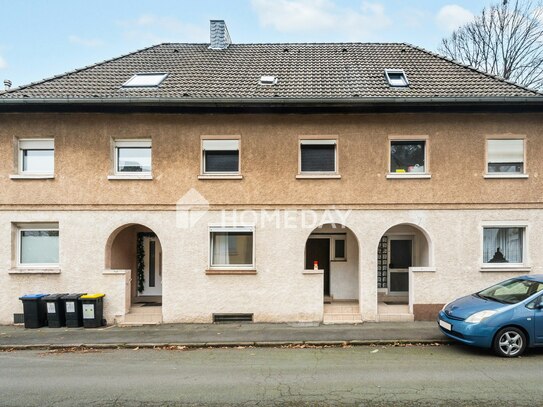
x,y
201,335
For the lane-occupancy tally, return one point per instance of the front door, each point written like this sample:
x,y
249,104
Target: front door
x,y
152,271
319,250
400,257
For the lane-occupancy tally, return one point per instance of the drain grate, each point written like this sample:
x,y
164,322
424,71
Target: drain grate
x,y
232,318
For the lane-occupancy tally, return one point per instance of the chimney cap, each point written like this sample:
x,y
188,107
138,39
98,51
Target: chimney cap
x,y
219,38
7,84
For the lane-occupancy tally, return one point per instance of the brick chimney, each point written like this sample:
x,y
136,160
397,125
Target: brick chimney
x,y
218,33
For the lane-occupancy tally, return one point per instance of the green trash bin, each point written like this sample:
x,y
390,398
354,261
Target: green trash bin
x,y
93,310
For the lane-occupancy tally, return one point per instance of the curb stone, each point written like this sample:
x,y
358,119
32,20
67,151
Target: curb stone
x,y
134,345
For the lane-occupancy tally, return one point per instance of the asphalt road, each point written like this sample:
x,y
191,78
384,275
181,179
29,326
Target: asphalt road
x,y
364,376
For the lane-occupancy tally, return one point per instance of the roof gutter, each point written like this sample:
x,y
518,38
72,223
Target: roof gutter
x,y
149,101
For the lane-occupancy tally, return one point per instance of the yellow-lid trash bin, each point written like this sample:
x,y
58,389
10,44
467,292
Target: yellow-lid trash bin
x,y
92,296
93,310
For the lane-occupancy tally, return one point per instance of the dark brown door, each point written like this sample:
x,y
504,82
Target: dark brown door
x,y
319,250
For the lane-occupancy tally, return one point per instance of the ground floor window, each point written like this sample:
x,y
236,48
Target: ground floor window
x,y
232,247
38,246
503,245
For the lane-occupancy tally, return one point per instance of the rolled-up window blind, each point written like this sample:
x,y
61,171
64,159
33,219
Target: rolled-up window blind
x,y
318,157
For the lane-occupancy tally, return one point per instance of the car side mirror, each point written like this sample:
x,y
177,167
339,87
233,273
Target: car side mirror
x,y
539,304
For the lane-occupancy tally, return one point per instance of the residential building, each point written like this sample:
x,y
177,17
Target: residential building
x,y
270,182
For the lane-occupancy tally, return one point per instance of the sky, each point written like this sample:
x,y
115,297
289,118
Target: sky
x,y
42,38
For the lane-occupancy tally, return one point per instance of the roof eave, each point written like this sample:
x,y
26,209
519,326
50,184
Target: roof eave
x,y
187,101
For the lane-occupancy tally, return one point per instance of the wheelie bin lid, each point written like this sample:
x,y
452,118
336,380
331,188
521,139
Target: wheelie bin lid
x,y
92,296
53,297
32,296
72,296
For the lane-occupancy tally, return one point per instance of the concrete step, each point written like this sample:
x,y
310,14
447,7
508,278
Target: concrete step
x,y
140,310
342,318
139,315
341,309
396,318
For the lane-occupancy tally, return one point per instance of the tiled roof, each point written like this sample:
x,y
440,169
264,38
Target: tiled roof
x,y
304,71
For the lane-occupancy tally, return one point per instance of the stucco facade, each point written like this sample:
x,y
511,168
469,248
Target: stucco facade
x,y
280,290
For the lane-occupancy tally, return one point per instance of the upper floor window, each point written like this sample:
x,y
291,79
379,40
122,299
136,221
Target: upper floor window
x,y
318,156
38,245
132,157
220,157
408,157
505,156
36,156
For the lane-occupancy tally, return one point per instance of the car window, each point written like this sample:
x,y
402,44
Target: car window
x,y
512,291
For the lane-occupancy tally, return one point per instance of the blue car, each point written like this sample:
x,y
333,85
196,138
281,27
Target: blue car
x,y
507,317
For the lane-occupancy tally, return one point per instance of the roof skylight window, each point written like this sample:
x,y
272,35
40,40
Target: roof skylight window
x,y
268,80
396,78
145,80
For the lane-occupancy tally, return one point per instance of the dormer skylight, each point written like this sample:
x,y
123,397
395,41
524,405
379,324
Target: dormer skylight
x,y
268,80
396,78
145,80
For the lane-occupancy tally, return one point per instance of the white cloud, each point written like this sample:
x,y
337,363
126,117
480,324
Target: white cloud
x,y
87,42
3,63
313,16
152,29
452,16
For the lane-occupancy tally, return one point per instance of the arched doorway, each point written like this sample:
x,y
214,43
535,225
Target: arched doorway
x,y
333,249
402,249
137,249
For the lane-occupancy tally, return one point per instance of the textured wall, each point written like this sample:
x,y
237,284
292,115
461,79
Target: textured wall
x,y
279,291
269,160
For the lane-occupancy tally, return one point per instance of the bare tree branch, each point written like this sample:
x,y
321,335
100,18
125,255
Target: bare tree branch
x,y
505,40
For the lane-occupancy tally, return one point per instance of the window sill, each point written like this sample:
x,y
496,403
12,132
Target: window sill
x,y
220,176
511,269
318,176
130,177
32,176
226,272
502,176
37,270
408,175
422,269
311,271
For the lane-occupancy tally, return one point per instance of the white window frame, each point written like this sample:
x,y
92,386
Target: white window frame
x,y
400,175
333,256
523,174
45,144
162,75
505,266
404,84
131,143
318,141
219,229
222,174
35,228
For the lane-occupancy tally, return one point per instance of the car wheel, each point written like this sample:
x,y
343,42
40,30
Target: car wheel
x,y
509,342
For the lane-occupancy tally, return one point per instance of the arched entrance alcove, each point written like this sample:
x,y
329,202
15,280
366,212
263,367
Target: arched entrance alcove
x,y
137,248
334,249
402,249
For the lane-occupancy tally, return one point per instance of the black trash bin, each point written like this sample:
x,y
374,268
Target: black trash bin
x,y
74,310
93,310
56,316
35,315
